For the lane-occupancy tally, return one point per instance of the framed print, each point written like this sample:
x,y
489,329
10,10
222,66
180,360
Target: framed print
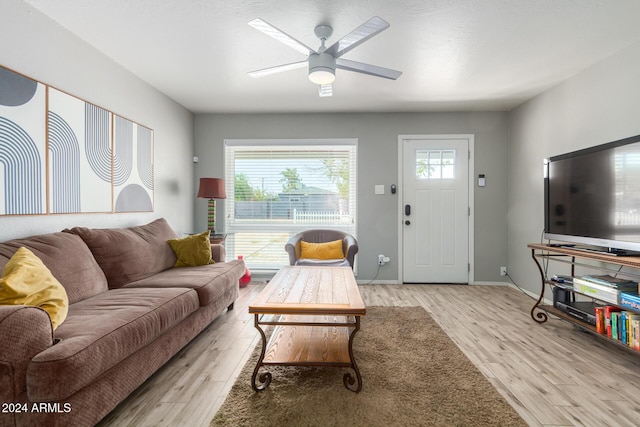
x,y
132,166
22,145
79,147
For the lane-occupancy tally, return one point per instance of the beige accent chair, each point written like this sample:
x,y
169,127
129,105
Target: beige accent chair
x,y
349,247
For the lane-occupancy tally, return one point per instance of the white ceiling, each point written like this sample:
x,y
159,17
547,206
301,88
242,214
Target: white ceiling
x,y
456,55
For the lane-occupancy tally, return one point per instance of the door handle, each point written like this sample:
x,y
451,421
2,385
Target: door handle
x,y
407,210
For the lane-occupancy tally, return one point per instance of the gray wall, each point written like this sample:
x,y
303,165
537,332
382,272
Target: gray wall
x,y
35,46
378,216
598,105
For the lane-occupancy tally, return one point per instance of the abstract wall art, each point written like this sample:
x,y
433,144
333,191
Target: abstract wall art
x,y
22,145
79,145
132,166
60,154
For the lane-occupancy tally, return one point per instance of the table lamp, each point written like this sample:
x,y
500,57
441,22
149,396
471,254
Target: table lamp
x,y
211,188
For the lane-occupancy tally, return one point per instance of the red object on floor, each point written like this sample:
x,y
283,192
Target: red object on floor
x,y
246,279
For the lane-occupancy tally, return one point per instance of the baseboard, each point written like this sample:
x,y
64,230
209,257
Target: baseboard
x,y
378,282
488,283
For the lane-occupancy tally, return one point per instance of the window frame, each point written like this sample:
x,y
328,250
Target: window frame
x,y
231,225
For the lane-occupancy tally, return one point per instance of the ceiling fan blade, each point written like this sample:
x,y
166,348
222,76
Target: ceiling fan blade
x,y
373,70
281,36
278,69
325,90
358,36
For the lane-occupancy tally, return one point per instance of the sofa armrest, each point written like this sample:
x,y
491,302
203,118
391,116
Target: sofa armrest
x,y
25,331
218,252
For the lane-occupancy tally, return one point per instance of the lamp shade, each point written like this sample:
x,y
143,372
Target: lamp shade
x,y
212,188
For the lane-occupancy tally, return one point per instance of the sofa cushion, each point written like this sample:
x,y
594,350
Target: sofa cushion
x,y
102,331
129,254
27,281
69,260
192,250
209,281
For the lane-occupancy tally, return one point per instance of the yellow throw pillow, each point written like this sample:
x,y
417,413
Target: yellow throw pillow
x,y
193,250
328,250
27,281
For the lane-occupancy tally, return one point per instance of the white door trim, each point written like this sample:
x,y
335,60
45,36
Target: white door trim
x,y
468,137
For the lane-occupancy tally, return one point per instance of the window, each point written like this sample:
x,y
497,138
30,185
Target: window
x,y
435,164
276,188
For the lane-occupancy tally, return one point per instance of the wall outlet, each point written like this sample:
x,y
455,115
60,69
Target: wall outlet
x,y
503,271
382,259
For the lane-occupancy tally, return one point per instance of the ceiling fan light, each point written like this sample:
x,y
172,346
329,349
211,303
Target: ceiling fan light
x,y
322,75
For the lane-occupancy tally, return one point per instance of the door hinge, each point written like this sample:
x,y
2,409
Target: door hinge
x,y
469,152
469,267
469,211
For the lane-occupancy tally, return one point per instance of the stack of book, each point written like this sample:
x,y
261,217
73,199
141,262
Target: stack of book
x,y
606,288
619,324
631,300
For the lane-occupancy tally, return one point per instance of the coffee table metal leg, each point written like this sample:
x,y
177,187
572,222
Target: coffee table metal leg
x,y
265,377
348,379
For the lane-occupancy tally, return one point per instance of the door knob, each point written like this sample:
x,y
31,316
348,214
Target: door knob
x,y
407,222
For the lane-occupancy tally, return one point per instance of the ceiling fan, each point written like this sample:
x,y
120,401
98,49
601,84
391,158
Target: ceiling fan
x,y
324,61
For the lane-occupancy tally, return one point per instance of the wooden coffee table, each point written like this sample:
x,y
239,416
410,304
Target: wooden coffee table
x,y
316,313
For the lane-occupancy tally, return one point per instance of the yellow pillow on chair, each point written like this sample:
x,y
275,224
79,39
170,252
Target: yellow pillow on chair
x,y
328,250
27,281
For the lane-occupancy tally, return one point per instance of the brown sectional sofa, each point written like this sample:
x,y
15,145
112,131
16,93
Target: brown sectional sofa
x,y
130,311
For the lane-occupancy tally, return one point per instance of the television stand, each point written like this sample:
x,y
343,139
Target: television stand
x,y
600,261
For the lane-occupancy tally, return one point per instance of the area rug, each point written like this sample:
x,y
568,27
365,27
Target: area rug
x,y
412,373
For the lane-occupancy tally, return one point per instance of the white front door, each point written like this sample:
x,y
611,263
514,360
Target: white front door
x,y
435,209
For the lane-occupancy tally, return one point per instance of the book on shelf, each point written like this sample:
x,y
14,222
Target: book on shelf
x,y
595,290
631,333
600,325
630,300
624,318
612,282
615,325
635,327
608,310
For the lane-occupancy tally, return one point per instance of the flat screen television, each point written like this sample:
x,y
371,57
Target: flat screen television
x,y
592,197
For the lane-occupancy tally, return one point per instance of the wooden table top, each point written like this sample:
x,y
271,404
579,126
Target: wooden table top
x,y
310,291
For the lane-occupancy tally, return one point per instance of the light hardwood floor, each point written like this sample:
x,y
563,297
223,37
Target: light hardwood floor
x,y
552,374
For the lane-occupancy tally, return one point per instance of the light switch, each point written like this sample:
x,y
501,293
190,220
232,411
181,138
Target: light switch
x,y
379,189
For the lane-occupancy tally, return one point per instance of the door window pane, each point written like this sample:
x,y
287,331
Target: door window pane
x,y
435,164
